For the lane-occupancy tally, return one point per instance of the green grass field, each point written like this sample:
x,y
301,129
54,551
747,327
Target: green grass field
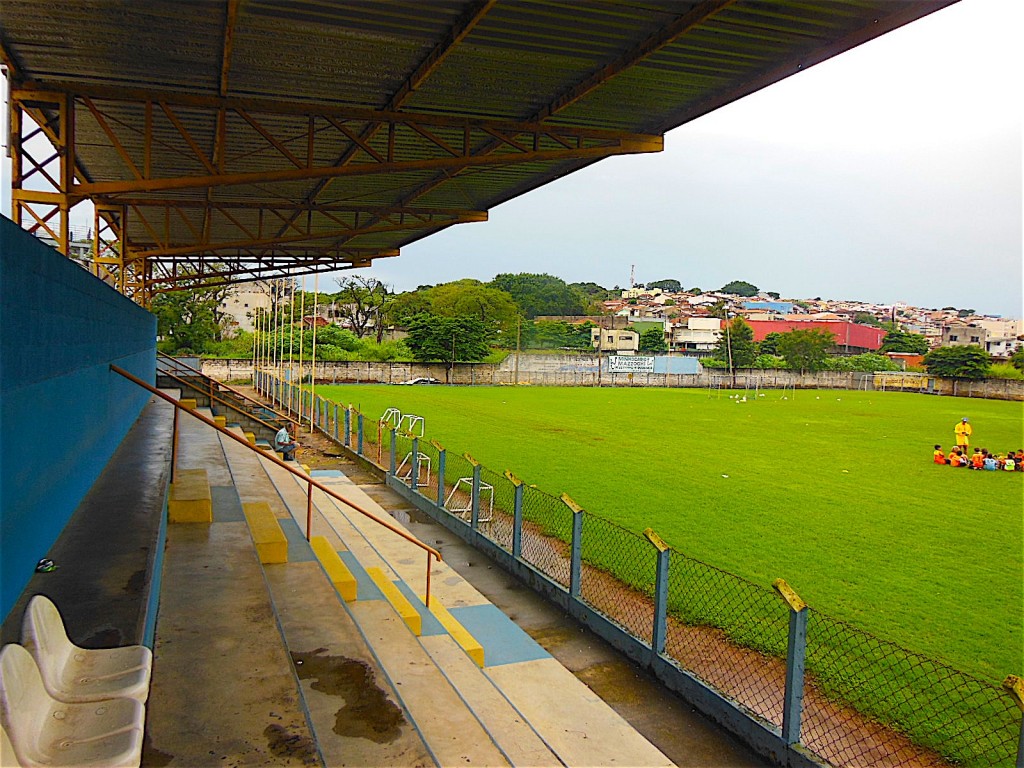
x,y
834,491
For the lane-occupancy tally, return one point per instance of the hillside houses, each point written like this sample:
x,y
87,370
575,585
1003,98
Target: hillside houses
x,y
690,326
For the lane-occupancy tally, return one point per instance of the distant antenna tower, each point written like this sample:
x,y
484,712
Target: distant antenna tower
x,y
632,275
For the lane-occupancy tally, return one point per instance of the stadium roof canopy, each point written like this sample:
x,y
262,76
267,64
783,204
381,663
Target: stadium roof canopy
x,y
233,140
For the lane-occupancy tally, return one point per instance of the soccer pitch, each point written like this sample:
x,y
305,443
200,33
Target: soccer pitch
x,y
835,491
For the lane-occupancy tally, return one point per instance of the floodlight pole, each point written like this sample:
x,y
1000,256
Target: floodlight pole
x,y
728,346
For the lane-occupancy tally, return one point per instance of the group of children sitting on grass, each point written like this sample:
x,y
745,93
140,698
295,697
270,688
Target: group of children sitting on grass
x,y
981,459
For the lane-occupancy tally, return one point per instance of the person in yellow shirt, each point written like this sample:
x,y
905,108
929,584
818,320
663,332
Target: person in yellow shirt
x,y
938,456
963,432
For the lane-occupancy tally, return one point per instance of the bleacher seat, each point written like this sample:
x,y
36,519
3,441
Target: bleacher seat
x,y
44,731
76,674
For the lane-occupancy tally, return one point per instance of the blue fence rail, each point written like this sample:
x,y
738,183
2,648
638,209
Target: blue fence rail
x,y
799,686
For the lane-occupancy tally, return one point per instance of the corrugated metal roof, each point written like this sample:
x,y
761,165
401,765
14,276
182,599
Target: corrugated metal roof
x,y
256,114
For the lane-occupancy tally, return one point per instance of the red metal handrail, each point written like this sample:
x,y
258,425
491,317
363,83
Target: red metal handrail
x,y
228,403
228,387
302,476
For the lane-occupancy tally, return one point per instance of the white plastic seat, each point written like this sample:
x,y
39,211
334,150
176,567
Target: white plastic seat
x,y
44,731
76,674
7,756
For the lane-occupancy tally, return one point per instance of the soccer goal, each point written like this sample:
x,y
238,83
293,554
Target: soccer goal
x,y
460,500
404,471
411,422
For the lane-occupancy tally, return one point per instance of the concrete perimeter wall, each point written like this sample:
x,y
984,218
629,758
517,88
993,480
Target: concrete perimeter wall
x,y
581,371
62,411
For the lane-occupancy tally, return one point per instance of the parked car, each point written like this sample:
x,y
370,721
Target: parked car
x,y
421,380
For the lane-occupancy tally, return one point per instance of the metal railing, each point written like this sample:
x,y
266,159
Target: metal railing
x,y
214,387
794,682
301,476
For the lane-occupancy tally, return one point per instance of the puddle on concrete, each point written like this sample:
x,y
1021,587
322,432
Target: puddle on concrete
x,y
407,515
136,583
368,712
152,756
284,744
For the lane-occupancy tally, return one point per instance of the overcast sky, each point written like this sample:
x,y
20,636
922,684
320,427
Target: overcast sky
x,y
889,173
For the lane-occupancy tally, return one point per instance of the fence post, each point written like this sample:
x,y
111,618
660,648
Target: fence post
x,y
474,517
348,427
414,473
335,422
1015,686
393,464
576,561
359,433
441,457
517,515
660,593
792,707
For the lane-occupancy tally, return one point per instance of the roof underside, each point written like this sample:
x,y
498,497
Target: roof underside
x,y
263,138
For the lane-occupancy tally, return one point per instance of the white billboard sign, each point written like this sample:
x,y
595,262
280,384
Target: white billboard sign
x,y
630,364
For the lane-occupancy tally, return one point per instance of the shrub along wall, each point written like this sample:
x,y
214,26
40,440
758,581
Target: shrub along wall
x,y
581,371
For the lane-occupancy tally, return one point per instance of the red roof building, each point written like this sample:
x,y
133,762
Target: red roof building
x,y
850,337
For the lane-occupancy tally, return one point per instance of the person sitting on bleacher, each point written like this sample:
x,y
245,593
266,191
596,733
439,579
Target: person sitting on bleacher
x,y
283,443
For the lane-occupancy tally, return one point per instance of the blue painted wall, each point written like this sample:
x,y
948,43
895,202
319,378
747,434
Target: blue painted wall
x,y
62,411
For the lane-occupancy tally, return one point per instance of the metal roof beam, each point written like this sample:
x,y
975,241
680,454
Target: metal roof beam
x,y
246,205
633,144
227,272
346,232
260,106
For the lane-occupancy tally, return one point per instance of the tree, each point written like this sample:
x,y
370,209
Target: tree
x,y
736,344
867,362
653,340
540,294
362,302
769,345
740,288
866,318
1017,358
471,298
433,338
409,304
188,320
554,334
902,341
669,286
806,350
966,362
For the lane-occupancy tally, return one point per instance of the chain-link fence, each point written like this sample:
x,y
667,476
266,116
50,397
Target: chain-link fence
x,y
921,712
862,701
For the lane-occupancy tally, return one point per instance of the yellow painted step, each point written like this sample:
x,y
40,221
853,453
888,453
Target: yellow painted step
x,y
271,544
459,633
251,437
188,402
339,574
398,601
190,500
221,421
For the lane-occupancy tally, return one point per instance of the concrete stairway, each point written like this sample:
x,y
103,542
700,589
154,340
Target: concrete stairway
x,y
223,689
521,708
